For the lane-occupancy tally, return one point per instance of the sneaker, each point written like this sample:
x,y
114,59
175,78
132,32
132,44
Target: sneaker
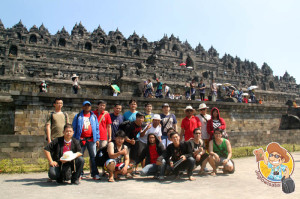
x,y
161,178
76,182
96,177
206,170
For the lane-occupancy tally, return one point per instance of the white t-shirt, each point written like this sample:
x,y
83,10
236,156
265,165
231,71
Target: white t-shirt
x,y
156,131
167,88
204,125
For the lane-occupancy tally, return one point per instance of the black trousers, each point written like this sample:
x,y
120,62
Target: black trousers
x,y
55,173
188,165
202,96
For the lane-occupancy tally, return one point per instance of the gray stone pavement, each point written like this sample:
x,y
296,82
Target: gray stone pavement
x,y
242,184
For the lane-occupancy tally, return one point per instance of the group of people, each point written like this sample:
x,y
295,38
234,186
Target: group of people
x,y
124,141
191,87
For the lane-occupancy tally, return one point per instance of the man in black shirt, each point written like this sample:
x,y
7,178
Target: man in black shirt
x,y
199,150
181,155
59,162
132,129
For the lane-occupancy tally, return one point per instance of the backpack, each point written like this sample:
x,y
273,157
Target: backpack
x,y
288,185
101,156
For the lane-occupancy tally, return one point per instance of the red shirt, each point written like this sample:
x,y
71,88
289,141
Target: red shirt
x,y
103,125
67,146
86,128
153,154
189,125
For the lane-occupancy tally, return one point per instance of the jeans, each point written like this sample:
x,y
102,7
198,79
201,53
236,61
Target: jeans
x,y
188,165
91,146
153,169
55,172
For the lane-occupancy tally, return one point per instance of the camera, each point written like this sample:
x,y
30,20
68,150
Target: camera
x,y
276,173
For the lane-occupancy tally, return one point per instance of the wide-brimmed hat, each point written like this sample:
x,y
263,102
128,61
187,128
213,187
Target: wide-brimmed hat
x,y
203,106
68,156
275,147
156,117
189,108
74,76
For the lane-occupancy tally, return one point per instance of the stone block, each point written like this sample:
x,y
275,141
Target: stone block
x,y
15,144
7,150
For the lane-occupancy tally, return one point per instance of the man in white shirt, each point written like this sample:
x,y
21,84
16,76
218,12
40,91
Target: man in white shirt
x,y
204,117
166,91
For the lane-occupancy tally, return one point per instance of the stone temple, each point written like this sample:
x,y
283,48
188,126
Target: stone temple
x,y
29,56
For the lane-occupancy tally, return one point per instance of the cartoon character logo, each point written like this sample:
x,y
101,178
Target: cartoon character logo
x,y
274,165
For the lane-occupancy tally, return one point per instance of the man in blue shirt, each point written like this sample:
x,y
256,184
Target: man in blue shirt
x,y
131,114
116,119
86,130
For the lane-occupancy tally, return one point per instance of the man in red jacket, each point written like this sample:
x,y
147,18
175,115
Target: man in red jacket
x,y
215,122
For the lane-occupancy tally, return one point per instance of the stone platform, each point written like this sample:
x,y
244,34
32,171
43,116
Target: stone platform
x,y
242,184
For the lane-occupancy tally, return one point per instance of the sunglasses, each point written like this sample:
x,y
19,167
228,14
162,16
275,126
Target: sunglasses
x,y
189,110
276,156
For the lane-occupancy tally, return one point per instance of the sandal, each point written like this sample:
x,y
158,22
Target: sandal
x,y
202,173
111,180
213,174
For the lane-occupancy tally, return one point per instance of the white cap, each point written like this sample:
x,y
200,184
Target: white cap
x,y
189,108
156,117
203,106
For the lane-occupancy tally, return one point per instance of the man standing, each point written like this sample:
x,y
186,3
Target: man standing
x,y
193,89
166,91
158,93
86,129
213,88
148,113
116,119
56,121
104,123
204,117
168,120
189,123
179,155
202,87
131,114
54,152
151,152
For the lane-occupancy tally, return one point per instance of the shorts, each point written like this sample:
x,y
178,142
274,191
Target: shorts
x,y
203,157
118,167
229,163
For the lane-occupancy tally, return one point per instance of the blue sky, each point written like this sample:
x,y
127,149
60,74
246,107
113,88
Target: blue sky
x,y
257,30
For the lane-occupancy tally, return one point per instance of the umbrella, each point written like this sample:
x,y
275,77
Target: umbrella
x,y
232,87
219,84
116,88
227,84
245,94
182,64
252,87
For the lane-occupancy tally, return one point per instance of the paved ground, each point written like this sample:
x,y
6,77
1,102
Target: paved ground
x,y
242,184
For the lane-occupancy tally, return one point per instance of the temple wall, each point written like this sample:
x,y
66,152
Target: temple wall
x,y
24,115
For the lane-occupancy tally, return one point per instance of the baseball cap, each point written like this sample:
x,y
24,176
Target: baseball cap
x,y
86,102
165,104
